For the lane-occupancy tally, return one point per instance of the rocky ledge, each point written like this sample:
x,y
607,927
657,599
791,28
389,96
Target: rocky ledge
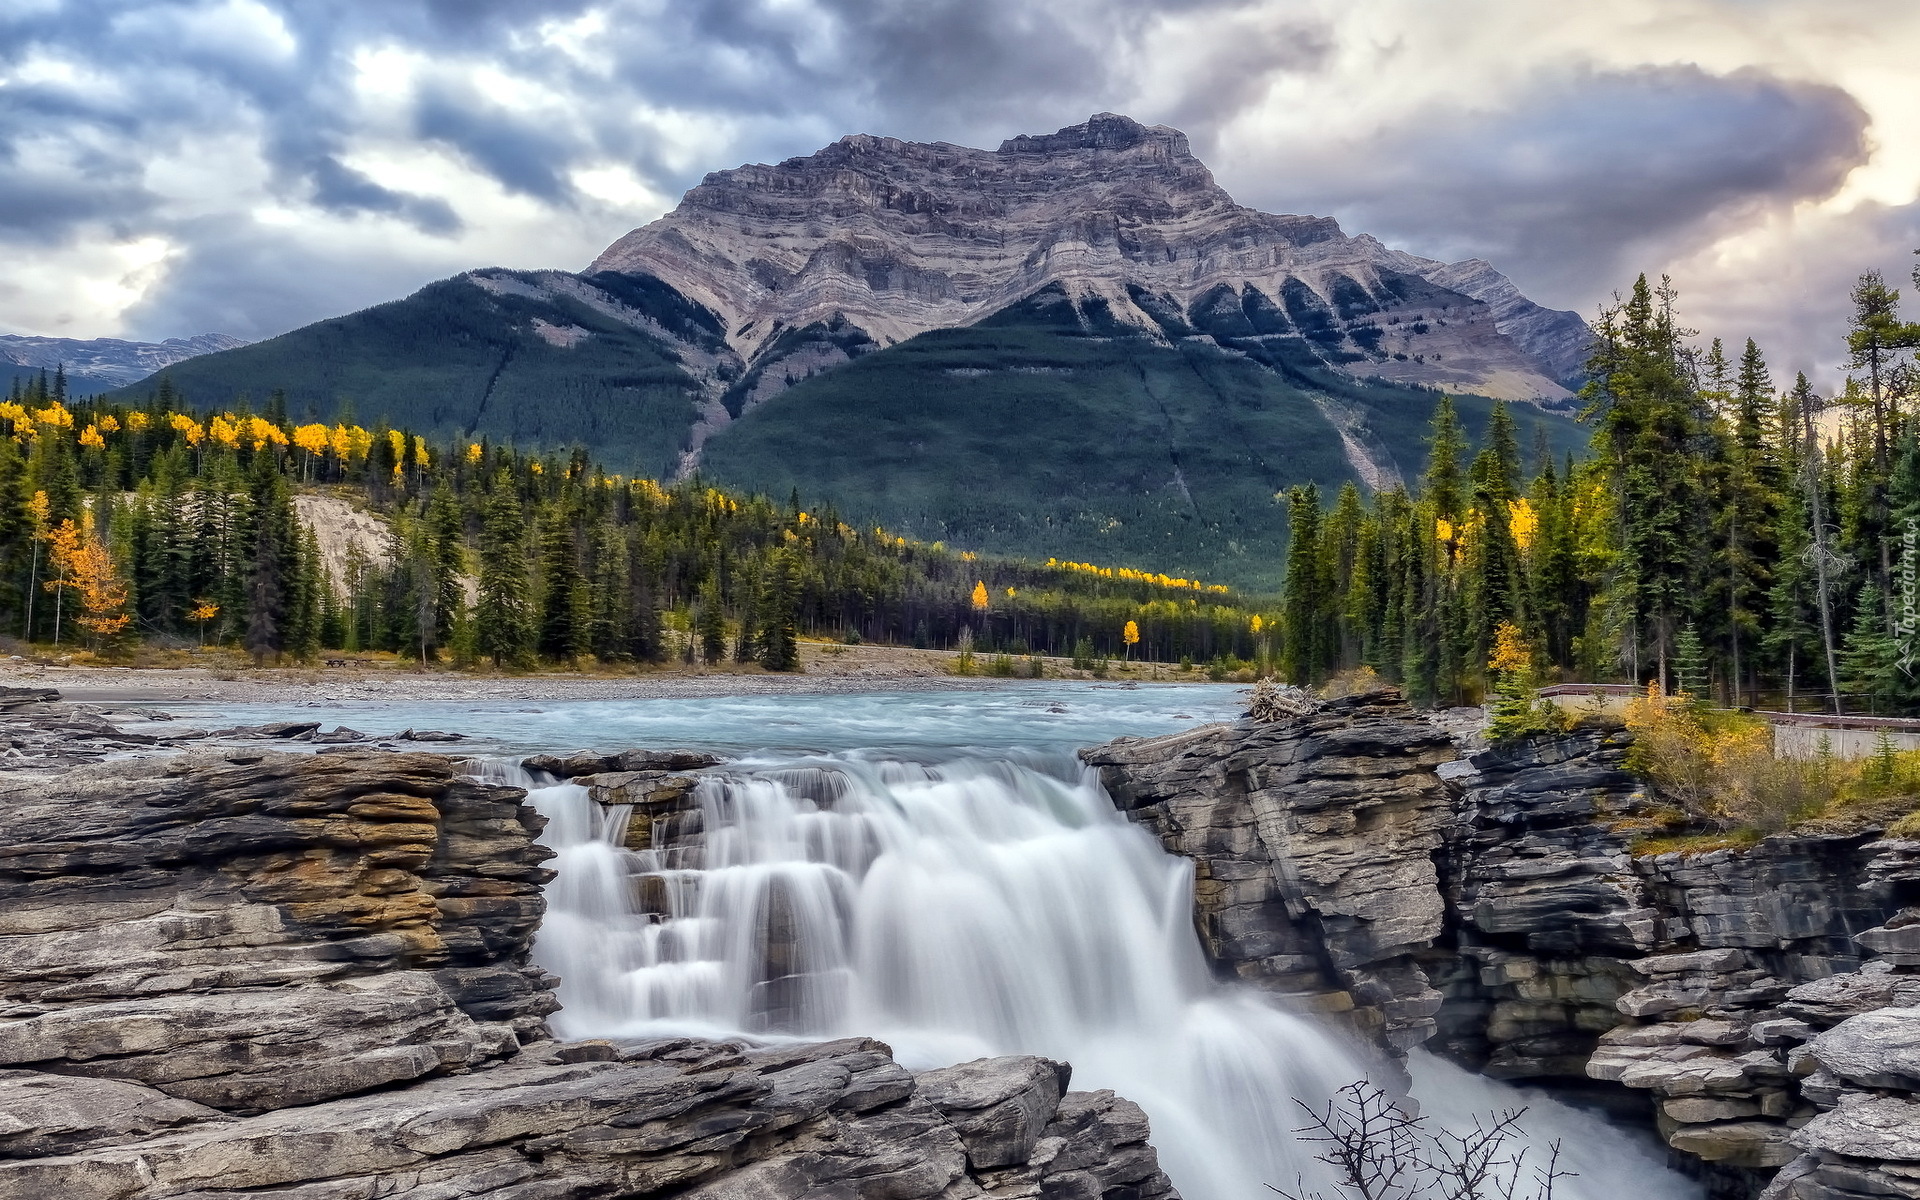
x,y
1761,1006
307,975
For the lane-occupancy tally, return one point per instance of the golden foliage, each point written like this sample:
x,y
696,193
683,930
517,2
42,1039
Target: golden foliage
x,y
82,564
1524,520
1131,634
1133,576
1510,649
314,439
980,595
473,452
1720,766
91,439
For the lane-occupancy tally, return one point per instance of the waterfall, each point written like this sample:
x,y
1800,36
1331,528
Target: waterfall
x,y
971,907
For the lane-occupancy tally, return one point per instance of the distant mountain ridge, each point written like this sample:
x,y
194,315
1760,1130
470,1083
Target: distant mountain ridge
x,y
894,238
110,362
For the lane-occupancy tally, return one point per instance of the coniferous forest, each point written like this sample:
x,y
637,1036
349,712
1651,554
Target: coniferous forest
x,y
1727,536
1730,534
122,525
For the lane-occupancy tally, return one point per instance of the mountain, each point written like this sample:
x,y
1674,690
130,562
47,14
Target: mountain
x,y
896,238
620,363
1074,345
100,364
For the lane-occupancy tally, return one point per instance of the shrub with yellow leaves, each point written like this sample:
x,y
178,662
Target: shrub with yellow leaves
x,y
1718,766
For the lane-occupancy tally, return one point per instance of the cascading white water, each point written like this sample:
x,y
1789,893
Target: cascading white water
x,y
976,907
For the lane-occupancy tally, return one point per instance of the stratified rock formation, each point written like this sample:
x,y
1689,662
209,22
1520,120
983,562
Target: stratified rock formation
x,y
1766,1001
307,976
1313,844
872,240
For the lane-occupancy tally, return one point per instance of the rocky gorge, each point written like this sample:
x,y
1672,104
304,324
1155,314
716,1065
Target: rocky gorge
x,y
238,971
231,970
1762,1006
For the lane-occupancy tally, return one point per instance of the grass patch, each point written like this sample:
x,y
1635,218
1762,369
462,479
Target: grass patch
x,y
1696,843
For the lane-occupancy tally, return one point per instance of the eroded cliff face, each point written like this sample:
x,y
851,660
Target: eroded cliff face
x,y
894,238
307,974
1763,1004
1313,845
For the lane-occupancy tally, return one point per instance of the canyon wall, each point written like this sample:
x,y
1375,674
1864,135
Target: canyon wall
x,y
1762,1005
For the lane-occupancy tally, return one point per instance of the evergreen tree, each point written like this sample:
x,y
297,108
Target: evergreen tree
x,y
780,605
563,632
1305,605
712,623
503,619
1871,661
272,573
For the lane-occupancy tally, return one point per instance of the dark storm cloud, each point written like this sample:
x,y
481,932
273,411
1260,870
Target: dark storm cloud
x,y
1587,175
784,79
1593,176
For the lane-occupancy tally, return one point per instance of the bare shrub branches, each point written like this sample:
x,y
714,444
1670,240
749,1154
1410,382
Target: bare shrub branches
x,y
1380,1152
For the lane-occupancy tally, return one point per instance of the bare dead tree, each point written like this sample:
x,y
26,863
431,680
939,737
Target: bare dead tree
x,y
1379,1151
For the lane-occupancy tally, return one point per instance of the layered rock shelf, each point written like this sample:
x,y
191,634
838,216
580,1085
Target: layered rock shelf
x,y
239,971
1761,1007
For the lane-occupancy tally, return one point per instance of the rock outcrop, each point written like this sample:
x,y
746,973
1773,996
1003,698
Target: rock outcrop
x,y
1763,1003
872,240
1313,845
307,975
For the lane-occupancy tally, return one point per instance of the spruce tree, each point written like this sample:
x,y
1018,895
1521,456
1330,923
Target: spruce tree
x,y
562,634
274,561
502,618
712,623
1304,604
780,605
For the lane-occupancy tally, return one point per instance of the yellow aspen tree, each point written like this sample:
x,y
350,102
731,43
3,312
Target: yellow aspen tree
x,y
103,593
980,596
202,612
38,509
63,549
1130,637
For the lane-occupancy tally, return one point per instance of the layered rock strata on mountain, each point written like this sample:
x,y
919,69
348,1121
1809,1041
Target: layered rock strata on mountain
x,y
307,975
872,240
1313,844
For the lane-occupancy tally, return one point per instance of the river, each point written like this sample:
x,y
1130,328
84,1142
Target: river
x,y
935,869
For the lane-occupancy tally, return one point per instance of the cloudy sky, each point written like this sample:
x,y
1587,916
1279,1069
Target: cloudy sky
x,y
247,166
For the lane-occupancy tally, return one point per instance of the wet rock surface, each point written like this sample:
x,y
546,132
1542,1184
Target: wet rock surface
x,y
233,970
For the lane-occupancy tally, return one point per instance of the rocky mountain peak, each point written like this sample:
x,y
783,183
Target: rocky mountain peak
x,y
891,238
1103,131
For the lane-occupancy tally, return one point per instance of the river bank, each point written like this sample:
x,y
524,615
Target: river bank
x,y
826,669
